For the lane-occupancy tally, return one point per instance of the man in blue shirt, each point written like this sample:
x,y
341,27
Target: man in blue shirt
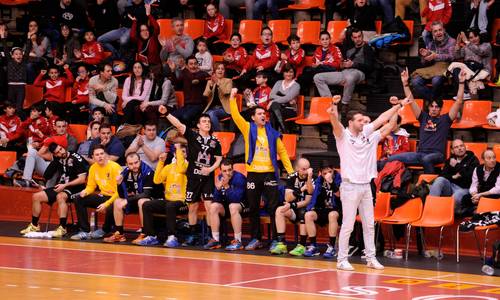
x,y
113,146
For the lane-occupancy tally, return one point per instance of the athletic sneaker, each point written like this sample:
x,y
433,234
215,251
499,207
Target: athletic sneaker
x,y
330,251
299,250
172,242
97,234
117,237
149,241
235,245
253,245
80,236
279,249
30,228
59,232
374,264
212,244
189,241
344,265
311,251
273,245
466,97
25,183
139,239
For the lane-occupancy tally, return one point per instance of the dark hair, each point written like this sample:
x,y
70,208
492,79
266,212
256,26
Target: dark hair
x,y
325,164
132,154
476,32
61,120
191,57
324,32
254,109
438,101
61,44
37,107
226,162
204,115
101,67
287,67
93,123
105,125
53,147
96,147
151,123
262,73
132,79
355,30
266,28
235,34
51,106
202,40
292,37
101,109
352,113
8,103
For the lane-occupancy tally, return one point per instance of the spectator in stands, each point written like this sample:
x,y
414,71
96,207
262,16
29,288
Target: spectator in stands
x,y
435,11
54,87
395,143
136,90
214,26
386,7
298,193
294,55
84,148
162,93
235,57
112,145
102,90
38,48
104,16
433,130
259,97
327,58
325,208
91,53
148,146
357,65
71,14
178,47
477,15
78,106
229,200
363,18
436,56
217,92
456,177
136,11
135,186
225,5
283,104
146,37
173,177
476,56
193,84
11,135
66,46
100,193
262,6
264,58
203,56
52,117
17,72
71,171
485,182
36,127
262,147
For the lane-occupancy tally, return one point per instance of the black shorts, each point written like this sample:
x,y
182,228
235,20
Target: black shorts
x,y
322,219
72,192
132,206
299,215
200,188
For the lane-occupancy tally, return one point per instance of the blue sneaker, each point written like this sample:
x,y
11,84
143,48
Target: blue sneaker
x,y
97,234
81,236
330,251
273,245
235,245
172,242
253,245
189,241
311,251
149,241
212,244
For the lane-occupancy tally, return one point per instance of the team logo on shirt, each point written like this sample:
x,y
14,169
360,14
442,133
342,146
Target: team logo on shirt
x,y
430,126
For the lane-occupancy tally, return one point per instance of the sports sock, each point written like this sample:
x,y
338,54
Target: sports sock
x,y
281,238
34,220
192,229
62,222
237,236
215,235
312,239
303,239
119,229
332,241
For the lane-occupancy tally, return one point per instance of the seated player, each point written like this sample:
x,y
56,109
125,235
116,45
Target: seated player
x,y
73,173
173,177
103,175
325,208
135,186
298,191
229,199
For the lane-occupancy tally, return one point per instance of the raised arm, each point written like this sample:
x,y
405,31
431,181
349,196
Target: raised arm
x,y
408,94
173,120
389,127
240,122
388,114
455,108
338,128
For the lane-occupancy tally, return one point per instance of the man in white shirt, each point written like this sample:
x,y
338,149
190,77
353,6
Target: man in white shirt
x,y
149,146
357,148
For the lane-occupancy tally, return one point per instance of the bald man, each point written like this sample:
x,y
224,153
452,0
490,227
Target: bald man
x,y
298,193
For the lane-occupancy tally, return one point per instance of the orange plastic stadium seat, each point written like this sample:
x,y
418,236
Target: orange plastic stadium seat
x,y
119,102
308,32
79,131
166,30
382,207
438,212
474,114
300,109
336,29
290,142
242,168
194,28
225,140
477,148
307,4
281,30
496,149
179,95
317,112
7,159
250,31
378,26
218,58
409,212
34,94
407,115
429,178
410,25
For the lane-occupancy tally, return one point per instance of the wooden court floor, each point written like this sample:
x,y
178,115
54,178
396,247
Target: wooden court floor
x,y
44,269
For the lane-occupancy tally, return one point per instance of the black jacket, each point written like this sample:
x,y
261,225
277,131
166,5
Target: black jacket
x,y
465,168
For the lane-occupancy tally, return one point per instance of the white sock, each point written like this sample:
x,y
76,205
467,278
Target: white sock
x,y
237,236
215,236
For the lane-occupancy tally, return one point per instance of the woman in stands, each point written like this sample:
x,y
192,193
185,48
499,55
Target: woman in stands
x,y
283,103
39,51
136,90
146,38
162,93
217,91
66,47
214,27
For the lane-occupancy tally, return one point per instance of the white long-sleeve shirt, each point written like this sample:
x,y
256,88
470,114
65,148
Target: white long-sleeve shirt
x,y
475,183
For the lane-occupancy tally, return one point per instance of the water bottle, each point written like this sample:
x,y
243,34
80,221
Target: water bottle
x,y
92,221
488,270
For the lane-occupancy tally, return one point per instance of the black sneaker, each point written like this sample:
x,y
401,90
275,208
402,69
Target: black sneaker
x,y
25,183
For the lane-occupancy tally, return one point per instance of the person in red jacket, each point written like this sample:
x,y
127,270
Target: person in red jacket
x,y
10,129
235,57
35,128
327,58
436,10
146,38
92,52
293,55
52,116
55,86
264,58
214,27
77,106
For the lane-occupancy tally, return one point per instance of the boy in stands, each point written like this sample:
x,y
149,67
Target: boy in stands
x,y
78,105
92,52
294,55
55,85
11,135
235,57
259,96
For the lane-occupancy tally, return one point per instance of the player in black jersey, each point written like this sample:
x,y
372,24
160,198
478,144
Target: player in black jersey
x,y
204,156
73,173
325,208
298,191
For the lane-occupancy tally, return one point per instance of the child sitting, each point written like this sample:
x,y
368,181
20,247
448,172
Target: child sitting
x,y
294,55
204,58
